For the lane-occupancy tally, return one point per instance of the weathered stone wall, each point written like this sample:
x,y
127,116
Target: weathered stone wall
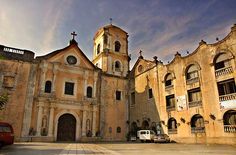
x,y
14,77
209,108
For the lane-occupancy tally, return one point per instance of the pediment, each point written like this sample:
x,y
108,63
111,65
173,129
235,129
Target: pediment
x,y
71,55
141,66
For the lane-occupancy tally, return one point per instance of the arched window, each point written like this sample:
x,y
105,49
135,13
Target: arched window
x,y
221,61
168,80
48,87
172,126
117,66
145,125
230,118
117,46
197,124
118,130
98,49
192,72
89,92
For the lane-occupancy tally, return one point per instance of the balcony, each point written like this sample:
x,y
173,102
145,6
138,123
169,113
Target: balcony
x,y
192,80
170,108
228,97
198,129
169,87
224,71
195,104
89,99
172,131
230,128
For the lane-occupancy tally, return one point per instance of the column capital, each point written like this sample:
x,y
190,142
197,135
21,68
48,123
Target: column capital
x,y
43,65
95,108
53,105
55,67
85,108
40,104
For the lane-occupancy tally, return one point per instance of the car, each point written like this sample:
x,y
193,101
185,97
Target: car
x,y
6,134
161,138
133,138
146,135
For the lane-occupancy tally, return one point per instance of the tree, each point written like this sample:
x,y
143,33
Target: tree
x,y
3,100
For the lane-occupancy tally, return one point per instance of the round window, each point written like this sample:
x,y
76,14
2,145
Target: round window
x,y
140,68
71,60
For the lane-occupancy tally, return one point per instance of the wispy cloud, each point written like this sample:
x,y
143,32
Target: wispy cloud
x,y
58,10
155,26
179,30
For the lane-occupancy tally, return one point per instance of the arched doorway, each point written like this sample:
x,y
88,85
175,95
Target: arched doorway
x,y
66,128
134,129
145,125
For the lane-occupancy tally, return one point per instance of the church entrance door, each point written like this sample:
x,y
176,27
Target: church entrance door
x,y
66,128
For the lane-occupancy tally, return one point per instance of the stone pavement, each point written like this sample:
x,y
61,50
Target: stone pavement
x,y
84,149
119,148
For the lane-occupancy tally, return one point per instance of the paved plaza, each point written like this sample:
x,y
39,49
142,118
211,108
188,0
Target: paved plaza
x,y
116,149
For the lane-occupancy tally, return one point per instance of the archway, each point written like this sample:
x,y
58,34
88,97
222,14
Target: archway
x,y
230,121
197,124
145,125
66,128
230,117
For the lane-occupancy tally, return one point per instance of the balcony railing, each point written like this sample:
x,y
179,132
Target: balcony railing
x,y
192,80
172,131
228,97
230,128
169,87
224,71
197,129
195,103
170,108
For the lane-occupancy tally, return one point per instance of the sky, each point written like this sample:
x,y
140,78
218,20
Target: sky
x,y
157,27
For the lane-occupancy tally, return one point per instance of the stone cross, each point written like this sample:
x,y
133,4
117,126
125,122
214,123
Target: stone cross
x,y
111,21
73,34
140,53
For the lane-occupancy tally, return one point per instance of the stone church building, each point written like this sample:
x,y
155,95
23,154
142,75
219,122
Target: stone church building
x,y
63,96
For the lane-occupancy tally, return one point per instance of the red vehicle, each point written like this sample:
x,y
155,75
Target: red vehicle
x,y
6,134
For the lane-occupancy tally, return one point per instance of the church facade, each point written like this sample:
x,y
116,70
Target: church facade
x,y
63,96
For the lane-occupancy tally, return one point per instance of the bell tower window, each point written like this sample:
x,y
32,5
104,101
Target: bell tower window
x,y
117,46
117,66
48,87
98,49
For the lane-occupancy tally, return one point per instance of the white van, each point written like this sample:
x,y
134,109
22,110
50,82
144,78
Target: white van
x,y
146,135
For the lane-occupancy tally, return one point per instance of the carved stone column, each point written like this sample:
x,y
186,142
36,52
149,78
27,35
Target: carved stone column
x,y
55,70
51,116
85,83
39,119
94,121
84,123
95,85
43,67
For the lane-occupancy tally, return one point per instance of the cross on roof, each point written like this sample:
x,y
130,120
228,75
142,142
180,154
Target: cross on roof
x,y
73,34
140,53
111,21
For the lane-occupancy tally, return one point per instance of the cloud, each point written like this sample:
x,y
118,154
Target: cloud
x,y
53,18
177,28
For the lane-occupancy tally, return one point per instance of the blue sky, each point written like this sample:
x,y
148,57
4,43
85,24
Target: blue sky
x,y
157,27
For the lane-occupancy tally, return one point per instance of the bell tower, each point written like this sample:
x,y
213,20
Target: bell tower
x,y
110,52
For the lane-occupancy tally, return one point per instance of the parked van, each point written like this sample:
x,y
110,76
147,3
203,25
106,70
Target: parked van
x,y
146,135
6,134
